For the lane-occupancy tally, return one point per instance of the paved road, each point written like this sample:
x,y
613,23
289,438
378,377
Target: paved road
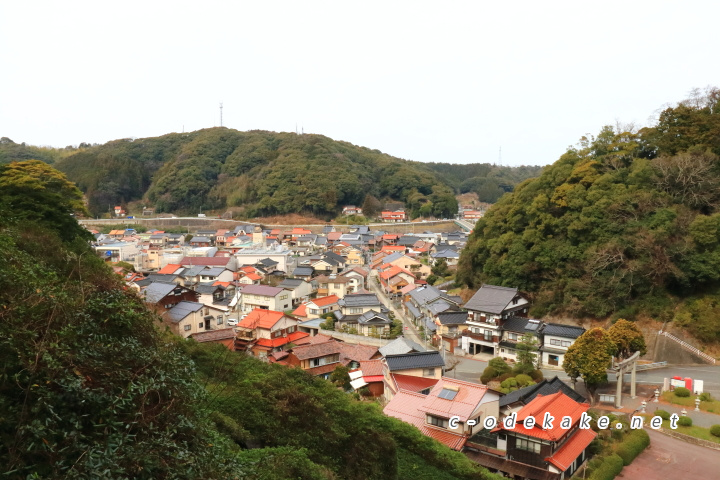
x,y
409,330
668,457
710,374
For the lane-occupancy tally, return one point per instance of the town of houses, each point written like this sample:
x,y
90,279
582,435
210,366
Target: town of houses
x,y
271,294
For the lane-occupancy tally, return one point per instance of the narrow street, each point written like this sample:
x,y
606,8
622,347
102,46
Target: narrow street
x,y
409,330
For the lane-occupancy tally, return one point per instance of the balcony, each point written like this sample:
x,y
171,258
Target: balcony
x,y
246,334
481,336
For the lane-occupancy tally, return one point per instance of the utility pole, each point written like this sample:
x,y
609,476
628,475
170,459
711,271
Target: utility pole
x,y
221,114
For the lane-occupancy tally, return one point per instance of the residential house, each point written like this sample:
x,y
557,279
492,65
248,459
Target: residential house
x,y
450,256
393,216
487,311
198,241
165,296
472,215
513,329
536,453
428,365
450,325
304,272
357,277
299,288
514,401
320,359
317,307
251,256
188,318
399,346
351,210
415,267
263,332
425,302
393,278
371,323
556,339
470,403
370,374
265,297
354,257
228,262
333,285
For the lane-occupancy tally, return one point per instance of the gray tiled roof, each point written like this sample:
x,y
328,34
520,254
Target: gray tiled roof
x,y
182,310
407,240
192,271
303,271
414,360
426,294
399,346
546,387
392,257
157,291
264,290
359,300
453,318
207,289
413,310
161,278
491,299
200,239
291,283
515,324
371,316
213,271
566,331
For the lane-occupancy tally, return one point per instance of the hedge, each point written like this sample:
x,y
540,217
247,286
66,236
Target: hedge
x,y
685,421
664,414
682,392
635,442
611,466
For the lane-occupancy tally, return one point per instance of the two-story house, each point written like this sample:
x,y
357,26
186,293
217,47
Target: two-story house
x,y
300,289
513,330
393,216
487,311
164,296
321,358
415,371
450,325
332,285
556,339
188,318
317,307
536,453
452,412
263,332
265,297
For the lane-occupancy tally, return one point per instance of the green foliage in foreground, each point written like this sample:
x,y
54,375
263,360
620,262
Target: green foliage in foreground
x,y
623,223
91,386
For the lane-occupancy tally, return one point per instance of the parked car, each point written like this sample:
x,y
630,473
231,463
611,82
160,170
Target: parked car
x,y
232,322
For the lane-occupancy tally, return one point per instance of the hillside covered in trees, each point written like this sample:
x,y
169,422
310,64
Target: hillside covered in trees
x,y
93,386
264,173
627,222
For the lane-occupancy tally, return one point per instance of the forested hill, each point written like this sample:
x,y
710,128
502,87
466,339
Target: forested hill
x,y
625,223
263,172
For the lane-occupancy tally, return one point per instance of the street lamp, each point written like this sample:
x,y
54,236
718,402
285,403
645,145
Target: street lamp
x,y
697,404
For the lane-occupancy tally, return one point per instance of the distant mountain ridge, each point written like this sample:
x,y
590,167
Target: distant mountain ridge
x,y
265,173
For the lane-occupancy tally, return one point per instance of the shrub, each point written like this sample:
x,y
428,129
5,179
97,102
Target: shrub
x,y
488,374
635,442
682,392
611,466
523,380
715,430
665,415
706,397
505,376
537,376
685,421
499,365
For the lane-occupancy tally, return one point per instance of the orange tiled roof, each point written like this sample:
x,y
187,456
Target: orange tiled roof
x,y
558,405
412,383
300,311
572,448
260,318
280,341
170,268
393,248
371,367
323,301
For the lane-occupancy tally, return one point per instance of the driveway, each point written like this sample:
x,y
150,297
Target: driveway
x,y
667,457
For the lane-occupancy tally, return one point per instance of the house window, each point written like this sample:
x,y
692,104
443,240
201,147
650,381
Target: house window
x,y
355,310
488,335
291,329
187,328
525,444
201,325
565,343
554,342
513,336
219,319
437,421
428,372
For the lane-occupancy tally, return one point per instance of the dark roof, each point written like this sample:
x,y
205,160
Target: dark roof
x,y
399,346
161,278
303,271
407,361
291,283
407,240
268,262
182,310
200,239
453,318
205,289
566,331
491,299
515,324
371,316
334,256
157,291
546,387
359,300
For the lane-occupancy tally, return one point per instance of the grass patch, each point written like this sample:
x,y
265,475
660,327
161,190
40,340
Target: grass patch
x,y
694,431
712,406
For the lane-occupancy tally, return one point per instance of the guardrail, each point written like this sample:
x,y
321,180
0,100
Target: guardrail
x,y
651,366
689,347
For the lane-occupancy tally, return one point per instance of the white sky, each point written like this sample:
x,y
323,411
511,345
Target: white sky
x,y
431,81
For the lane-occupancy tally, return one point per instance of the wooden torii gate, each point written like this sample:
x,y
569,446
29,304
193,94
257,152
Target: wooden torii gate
x,y
620,369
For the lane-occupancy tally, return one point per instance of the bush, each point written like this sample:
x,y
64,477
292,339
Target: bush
x,y
537,376
612,465
715,430
635,442
685,422
499,365
682,392
523,380
488,374
665,415
505,376
706,397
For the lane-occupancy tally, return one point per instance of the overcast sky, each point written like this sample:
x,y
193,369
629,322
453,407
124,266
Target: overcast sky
x,y
429,81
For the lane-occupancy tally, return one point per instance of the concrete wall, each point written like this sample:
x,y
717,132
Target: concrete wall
x,y
361,339
667,350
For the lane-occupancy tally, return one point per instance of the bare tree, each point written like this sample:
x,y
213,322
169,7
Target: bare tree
x,y
689,178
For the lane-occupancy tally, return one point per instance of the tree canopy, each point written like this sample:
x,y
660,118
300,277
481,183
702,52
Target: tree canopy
x,y
589,357
622,223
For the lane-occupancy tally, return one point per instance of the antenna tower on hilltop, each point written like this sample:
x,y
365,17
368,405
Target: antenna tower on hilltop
x,y
221,114
500,157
